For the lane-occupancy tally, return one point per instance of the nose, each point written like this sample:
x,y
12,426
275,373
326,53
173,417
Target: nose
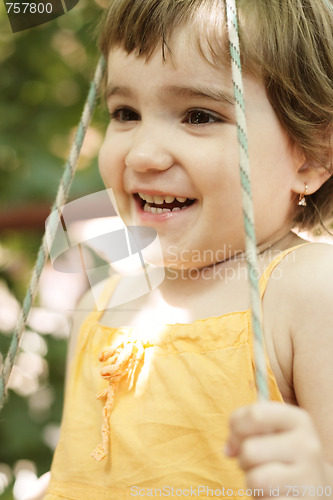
x,y
150,149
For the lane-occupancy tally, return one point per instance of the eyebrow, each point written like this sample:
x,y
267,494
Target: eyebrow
x,y
213,94
112,90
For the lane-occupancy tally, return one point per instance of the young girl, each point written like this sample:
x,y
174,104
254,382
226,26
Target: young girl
x,y
171,368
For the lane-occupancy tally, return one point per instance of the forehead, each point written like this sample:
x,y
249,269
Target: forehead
x,y
185,56
184,73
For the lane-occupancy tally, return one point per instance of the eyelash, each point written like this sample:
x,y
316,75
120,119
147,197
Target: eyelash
x,y
212,117
115,115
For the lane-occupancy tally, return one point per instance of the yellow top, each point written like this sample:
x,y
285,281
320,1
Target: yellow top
x,y
163,409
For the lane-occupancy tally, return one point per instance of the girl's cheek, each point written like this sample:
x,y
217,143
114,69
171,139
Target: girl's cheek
x,y
105,160
111,165
102,165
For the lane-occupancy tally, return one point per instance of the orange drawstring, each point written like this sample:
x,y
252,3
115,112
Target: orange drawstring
x,y
123,360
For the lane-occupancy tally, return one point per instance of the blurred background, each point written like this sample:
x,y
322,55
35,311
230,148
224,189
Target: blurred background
x,y
45,74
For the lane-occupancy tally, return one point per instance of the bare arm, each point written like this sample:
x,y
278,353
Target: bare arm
x,y
285,445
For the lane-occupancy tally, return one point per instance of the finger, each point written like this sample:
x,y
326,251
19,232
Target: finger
x,y
270,476
276,479
285,448
259,450
265,418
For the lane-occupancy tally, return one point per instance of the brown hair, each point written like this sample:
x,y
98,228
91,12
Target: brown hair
x,y
288,43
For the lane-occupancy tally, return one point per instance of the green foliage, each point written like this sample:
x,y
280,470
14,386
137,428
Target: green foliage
x,y
21,430
45,73
44,79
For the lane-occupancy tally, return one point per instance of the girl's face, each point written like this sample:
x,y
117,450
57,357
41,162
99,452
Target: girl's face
x,y
170,154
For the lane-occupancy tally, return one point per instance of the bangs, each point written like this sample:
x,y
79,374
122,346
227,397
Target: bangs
x,y
143,26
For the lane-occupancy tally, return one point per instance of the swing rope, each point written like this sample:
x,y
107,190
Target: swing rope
x,y
50,232
248,215
250,240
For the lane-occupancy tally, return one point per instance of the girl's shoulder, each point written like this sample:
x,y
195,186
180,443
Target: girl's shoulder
x,y
307,296
308,269
297,315
303,283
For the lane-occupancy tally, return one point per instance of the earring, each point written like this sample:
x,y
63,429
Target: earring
x,y
302,200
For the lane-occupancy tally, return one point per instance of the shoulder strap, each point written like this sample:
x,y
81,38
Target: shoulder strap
x,y
270,268
104,298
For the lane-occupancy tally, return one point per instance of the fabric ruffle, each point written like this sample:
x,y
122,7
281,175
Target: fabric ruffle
x,y
123,361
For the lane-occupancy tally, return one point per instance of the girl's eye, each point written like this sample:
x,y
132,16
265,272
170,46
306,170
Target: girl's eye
x,y
199,117
124,115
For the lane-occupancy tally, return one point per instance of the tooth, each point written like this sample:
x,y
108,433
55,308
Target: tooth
x,y
182,208
176,209
149,198
142,196
158,200
182,200
169,199
153,210
165,210
159,210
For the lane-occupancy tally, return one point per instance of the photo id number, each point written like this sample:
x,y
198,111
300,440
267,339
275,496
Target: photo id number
x,y
28,8
308,491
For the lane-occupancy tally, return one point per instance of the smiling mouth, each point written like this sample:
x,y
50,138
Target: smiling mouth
x,y
163,204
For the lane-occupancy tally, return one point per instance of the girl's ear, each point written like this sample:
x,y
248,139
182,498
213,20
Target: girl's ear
x,y
311,176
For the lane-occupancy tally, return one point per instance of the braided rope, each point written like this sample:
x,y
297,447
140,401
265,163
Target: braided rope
x,y
244,164
49,234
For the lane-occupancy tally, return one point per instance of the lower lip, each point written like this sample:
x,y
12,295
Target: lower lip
x,y
166,216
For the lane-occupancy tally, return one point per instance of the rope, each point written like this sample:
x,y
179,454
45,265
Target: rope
x,y
244,165
49,234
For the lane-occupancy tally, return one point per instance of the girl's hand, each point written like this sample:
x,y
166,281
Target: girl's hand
x,y
279,449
